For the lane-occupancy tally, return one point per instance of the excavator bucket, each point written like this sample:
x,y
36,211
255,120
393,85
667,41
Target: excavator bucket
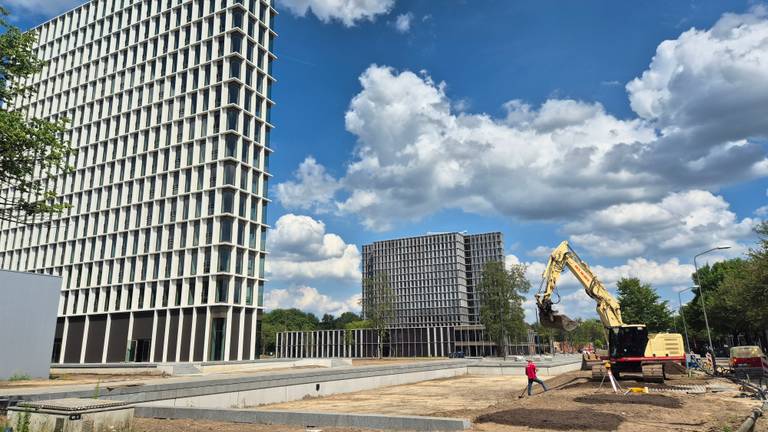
x,y
551,319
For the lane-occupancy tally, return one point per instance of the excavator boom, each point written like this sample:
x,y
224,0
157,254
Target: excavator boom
x,y
563,256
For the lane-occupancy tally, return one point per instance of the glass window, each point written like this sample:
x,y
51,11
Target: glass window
x,y
231,145
232,117
228,201
234,68
234,93
230,170
222,288
224,257
236,42
226,230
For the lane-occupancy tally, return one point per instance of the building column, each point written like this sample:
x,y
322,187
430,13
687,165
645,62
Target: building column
x,y
228,339
154,337
106,338
85,337
164,358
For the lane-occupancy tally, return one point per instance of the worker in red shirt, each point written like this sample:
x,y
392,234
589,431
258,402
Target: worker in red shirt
x,y
530,371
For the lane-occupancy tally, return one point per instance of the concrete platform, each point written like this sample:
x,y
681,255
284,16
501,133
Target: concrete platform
x,y
233,390
326,419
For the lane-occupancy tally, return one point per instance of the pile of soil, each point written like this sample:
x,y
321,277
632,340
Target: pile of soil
x,y
632,399
554,419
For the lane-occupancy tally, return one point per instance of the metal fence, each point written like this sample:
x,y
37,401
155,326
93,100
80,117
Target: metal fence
x,y
434,341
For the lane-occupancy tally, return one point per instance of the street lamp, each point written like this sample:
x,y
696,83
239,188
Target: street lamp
x,y
701,295
680,311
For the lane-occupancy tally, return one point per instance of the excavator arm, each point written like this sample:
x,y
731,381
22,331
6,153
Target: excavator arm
x,y
563,256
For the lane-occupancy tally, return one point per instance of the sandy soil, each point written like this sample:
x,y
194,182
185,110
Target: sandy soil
x,y
424,398
75,379
574,403
577,404
153,425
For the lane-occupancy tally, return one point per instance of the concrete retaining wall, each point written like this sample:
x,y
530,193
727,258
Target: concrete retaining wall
x,y
369,421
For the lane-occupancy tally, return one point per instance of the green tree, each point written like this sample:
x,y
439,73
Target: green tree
x,y
346,318
589,331
31,149
280,320
379,306
501,302
327,322
640,304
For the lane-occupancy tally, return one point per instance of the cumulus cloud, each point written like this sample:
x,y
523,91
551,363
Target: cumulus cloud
x,y
680,222
301,250
700,108
403,22
348,12
309,299
313,189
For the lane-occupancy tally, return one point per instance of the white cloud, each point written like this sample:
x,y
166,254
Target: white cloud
x,y
685,222
403,22
314,188
45,8
762,211
540,251
700,103
348,12
309,299
301,250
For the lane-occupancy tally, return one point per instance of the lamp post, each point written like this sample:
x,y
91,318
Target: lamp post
x,y
701,295
680,311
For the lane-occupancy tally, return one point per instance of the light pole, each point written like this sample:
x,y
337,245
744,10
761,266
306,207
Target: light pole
x,y
680,311
701,295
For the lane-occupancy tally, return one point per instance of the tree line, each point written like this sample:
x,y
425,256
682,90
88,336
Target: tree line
x,y
280,320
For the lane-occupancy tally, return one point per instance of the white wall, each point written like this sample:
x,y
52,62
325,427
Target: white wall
x,y
28,304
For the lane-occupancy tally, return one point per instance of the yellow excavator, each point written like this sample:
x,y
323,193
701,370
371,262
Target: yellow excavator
x,y
630,347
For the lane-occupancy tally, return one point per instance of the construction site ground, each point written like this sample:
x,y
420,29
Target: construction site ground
x,y
492,403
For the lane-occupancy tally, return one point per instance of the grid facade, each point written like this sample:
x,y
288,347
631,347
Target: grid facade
x,y
162,253
433,277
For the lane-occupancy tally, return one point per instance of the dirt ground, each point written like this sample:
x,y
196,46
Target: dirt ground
x,y
450,394
152,425
75,379
575,403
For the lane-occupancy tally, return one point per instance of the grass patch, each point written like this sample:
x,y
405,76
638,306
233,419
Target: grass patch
x,y
19,377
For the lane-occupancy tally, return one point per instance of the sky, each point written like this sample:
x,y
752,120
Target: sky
x,y
635,130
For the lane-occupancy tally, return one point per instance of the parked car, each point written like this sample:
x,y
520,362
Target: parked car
x,y
456,354
749,360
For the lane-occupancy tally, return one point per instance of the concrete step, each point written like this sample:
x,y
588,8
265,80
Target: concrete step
x,y
185,369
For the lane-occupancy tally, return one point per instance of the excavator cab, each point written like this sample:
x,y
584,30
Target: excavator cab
x,y
627,341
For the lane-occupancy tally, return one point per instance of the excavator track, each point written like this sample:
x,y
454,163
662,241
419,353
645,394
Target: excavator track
x,y
654,373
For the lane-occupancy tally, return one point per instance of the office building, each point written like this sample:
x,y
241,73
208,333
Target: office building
x,y
433,277
162,252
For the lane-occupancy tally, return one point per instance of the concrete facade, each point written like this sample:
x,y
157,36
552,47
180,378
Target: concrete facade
x,y
28,304
162,252
433,277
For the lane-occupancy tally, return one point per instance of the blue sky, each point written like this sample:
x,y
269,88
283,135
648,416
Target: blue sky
x,y
545,120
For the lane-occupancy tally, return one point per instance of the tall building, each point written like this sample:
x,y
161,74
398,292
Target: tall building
x,y
433,277
162,253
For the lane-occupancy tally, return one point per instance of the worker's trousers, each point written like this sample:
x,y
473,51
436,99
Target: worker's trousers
x,y
533,380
